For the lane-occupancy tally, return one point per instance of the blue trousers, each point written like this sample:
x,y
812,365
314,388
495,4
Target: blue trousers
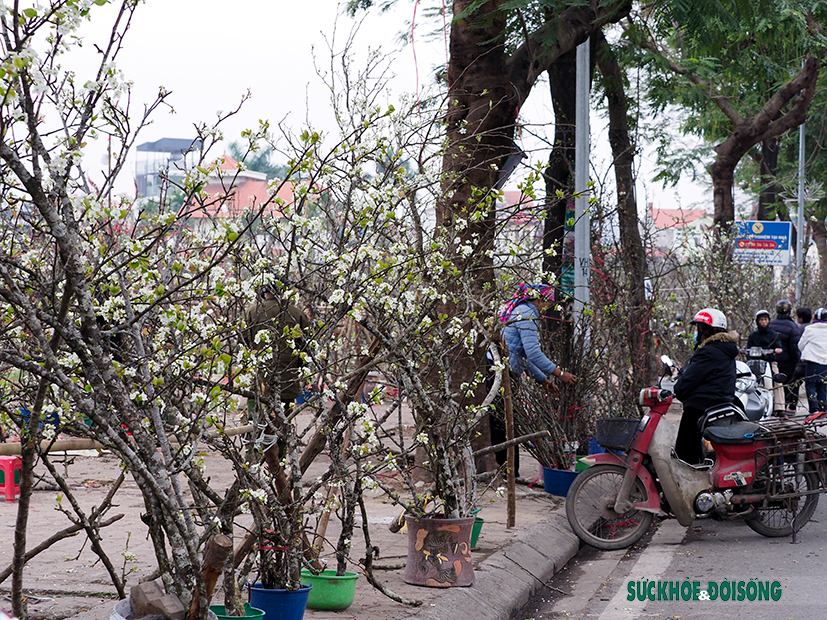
x,y
815,383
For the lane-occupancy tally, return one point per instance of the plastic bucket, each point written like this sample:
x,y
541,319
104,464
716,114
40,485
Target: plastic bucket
x,y
280,604
330,591
249,612
558,481
475,531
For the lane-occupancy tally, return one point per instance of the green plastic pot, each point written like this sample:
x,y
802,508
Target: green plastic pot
x,y
330,591
475,531
250,612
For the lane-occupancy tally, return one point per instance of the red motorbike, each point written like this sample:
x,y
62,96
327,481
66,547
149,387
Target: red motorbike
x,y
768,474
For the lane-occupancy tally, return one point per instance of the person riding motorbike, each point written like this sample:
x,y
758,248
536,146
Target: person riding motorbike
x,y
763,336
706,380
789,334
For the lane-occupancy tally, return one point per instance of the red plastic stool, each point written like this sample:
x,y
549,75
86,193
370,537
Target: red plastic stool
x,y
10,476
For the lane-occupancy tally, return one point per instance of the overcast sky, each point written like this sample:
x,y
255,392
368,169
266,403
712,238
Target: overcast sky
x,y
210,52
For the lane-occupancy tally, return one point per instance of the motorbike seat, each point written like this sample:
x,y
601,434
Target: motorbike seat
x,y
734,434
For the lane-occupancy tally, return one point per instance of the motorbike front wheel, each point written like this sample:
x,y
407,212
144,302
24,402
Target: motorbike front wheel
x,y
779,517
591,514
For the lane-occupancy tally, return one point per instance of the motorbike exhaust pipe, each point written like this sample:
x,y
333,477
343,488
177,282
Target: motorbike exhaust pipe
x,y
742,500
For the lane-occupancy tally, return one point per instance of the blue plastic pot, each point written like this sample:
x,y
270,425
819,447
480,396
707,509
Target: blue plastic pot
x,y
558,481
280,604
594,448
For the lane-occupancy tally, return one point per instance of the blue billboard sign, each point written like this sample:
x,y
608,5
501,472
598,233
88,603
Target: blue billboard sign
x,y
763,243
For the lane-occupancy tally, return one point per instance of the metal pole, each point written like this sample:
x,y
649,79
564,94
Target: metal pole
x,y
582,249
799,236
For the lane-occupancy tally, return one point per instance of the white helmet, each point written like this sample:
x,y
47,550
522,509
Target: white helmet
x,y
711,317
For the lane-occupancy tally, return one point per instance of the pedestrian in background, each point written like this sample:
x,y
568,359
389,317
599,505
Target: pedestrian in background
x,y
789,335
803,317
813,347
272,314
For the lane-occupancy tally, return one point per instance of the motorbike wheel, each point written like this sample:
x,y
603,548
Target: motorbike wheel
x,y
591,514
779,518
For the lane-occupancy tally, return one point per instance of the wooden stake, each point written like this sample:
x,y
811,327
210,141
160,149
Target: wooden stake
x,y
511,453
216,552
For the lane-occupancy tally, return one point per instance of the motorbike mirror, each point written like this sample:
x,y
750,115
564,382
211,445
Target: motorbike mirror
x,y
779,377
667,360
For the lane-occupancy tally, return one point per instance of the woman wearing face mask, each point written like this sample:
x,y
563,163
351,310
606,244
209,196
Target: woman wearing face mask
x,y
706,380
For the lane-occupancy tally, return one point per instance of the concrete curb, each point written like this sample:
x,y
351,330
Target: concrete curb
x,y
507,579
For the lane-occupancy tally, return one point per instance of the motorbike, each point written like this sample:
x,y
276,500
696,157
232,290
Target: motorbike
x,y
768,474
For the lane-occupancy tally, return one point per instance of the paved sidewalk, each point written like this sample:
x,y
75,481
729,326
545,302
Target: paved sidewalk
x,y
510,564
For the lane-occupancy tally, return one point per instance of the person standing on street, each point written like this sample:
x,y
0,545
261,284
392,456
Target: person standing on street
x,y
706,380
790,334
803,316
813,347
521,335
287,327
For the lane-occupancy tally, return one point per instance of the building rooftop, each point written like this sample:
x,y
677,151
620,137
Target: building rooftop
x,y
170,145
676,218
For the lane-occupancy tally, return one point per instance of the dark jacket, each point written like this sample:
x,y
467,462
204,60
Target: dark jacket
x,y
789,334
275,316
766,339
708,378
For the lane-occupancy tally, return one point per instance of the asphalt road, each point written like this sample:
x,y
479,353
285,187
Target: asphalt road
x,y
713,557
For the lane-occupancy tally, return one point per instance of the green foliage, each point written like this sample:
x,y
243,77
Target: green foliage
x,y
737,51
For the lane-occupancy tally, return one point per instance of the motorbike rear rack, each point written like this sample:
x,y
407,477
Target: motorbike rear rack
x,y
791,448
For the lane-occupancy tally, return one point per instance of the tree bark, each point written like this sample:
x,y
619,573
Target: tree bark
x,y
768,201
559,174
819,232
638,334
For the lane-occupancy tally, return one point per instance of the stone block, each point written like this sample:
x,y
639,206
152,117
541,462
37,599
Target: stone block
x,y
149,599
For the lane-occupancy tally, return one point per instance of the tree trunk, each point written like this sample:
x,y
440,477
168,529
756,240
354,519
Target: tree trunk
x,y
479,120
559,174
722,172
638,334
485,91
819,232
768,201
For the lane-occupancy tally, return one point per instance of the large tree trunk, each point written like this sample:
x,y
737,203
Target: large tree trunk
x,y
819,232
559,174
722,172
480,116
768,200
638,334
486,89
479,128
